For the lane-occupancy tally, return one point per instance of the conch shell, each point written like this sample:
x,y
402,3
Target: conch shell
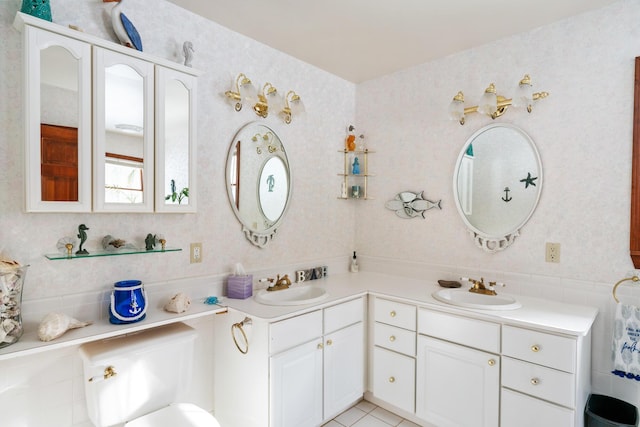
x,y
54,325
178,304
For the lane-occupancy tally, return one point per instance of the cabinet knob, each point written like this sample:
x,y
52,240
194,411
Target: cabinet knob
x,y
535,381
329,342
392,338
491,362
392,379
320,346
535,348
392,314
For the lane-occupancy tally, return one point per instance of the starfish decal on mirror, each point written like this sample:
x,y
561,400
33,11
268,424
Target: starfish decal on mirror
x,y
529,180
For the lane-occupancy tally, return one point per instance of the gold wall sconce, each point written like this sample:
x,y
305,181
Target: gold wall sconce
x,y
244,90
495,105
292,105
265,141
268,99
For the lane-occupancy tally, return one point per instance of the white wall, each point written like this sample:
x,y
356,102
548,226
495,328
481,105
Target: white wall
x,y
311,142
583,132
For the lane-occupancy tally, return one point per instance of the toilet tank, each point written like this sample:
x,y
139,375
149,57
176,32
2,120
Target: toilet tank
x,y
135,374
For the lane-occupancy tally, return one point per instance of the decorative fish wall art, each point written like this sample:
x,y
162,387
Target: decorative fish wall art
x,y
408,204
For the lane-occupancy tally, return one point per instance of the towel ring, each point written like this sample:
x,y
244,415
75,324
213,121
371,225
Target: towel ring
x,y
239,325
633,279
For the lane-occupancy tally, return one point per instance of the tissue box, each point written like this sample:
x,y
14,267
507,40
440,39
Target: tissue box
x,y
240,286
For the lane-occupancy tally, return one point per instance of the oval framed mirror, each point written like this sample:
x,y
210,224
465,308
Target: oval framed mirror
x,y
497,184
258,182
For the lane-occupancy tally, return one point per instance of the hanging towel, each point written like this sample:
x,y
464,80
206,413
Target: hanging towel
x,y
626,348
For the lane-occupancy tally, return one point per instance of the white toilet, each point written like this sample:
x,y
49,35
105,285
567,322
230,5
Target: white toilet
x,y
133,380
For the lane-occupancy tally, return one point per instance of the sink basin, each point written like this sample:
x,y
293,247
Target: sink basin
x,y
464,298
295,295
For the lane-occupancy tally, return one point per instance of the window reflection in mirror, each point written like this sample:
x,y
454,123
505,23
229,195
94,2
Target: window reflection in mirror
x,y
123,179
59,125
124,135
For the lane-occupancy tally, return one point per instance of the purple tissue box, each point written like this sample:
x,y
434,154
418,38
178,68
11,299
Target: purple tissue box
x,y
240,287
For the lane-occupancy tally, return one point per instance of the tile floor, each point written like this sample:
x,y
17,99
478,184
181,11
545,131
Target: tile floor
x,y
366,414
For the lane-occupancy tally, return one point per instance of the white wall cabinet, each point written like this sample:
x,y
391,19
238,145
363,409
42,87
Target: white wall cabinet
x,y
128,147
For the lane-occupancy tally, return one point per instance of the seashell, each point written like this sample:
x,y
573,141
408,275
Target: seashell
x,y
54,325
178,304
10,331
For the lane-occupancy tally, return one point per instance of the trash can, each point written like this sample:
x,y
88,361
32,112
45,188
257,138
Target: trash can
x,y
606,411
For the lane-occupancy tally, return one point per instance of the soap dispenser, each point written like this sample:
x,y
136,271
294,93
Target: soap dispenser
x,y
354,263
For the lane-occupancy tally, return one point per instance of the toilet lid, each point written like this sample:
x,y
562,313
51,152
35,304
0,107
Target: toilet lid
x,y
177,414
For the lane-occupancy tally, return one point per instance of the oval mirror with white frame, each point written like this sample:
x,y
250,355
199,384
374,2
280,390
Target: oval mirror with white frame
x,y
57,123
258,182
497,184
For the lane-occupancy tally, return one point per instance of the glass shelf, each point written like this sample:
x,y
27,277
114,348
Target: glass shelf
x,y
128,251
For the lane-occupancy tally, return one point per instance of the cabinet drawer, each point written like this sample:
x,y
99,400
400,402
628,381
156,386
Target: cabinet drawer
x,y
470,332
396,339
518,410
342,315
395,313
539,381
538,347
394,378
297,330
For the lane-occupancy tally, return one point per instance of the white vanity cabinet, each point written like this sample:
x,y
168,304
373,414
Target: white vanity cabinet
x,y
297,372
458,370
545,378
323,373
393,368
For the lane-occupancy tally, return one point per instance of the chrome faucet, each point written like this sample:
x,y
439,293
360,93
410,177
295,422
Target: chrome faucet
x,y
479,287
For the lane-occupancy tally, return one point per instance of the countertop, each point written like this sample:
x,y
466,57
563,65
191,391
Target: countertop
x,y
535,313
538,313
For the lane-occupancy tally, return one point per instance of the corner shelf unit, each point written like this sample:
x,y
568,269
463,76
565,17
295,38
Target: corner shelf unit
x,y
350,179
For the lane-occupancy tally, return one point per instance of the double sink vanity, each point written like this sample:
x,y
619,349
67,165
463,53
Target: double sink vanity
x,y
430,354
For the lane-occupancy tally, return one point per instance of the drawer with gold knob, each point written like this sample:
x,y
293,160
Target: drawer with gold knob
x,y
550,350
395,313
535,380
396,339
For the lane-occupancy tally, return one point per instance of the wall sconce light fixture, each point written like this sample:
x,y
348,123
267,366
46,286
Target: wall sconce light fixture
x,y
292,105
244,90
495,105
266,140
267,99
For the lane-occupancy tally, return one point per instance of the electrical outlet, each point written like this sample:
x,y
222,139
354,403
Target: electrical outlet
x,y
552,252
196,253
